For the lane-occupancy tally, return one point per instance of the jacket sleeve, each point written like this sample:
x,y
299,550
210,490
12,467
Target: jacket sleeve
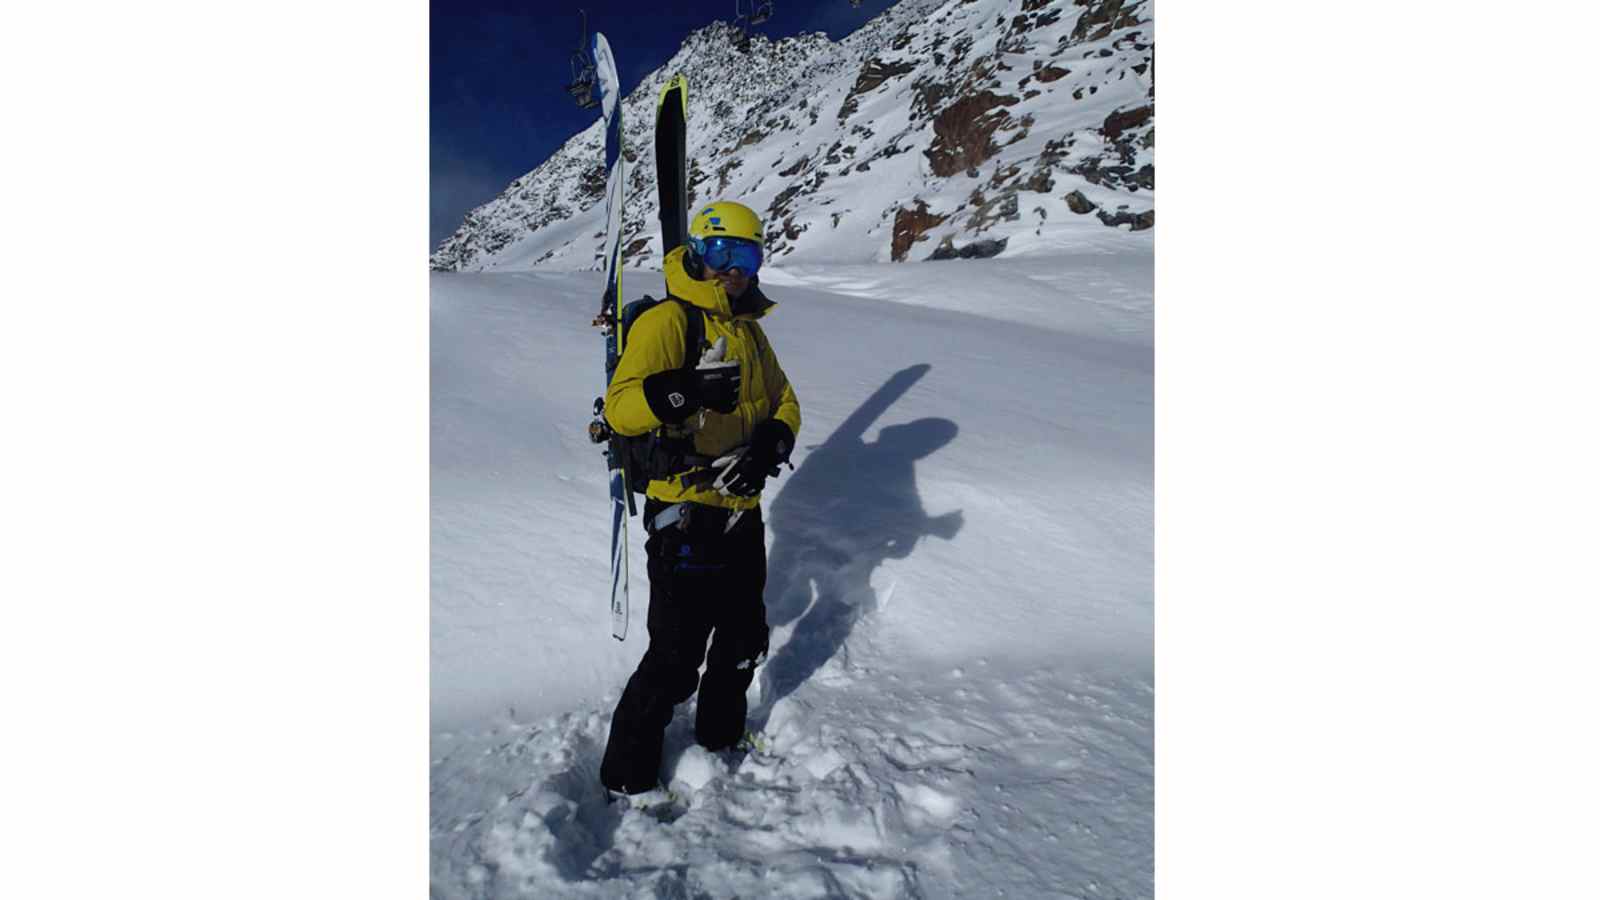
x,y
655,344
785,405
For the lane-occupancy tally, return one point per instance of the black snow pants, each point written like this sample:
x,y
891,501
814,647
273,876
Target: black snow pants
x,y
704,581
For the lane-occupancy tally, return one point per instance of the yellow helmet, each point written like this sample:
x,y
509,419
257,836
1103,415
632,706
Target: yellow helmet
x,y
727,219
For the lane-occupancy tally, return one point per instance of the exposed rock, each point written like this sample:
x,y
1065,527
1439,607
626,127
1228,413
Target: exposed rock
x,y
1039,182
1140,222
1119,177
1101,17
873,74
593,185
1052,153
1051,73
726,172
911,226
1022,125
697,176
983,249
962,133
959,49
1088,170
1125,119
637,248
1001,176
1079,204
780,204
1001,208
928,95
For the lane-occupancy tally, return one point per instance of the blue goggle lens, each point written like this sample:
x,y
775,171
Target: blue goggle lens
x,y
724,253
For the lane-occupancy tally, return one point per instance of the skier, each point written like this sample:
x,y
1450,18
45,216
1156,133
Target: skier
x,y
707,542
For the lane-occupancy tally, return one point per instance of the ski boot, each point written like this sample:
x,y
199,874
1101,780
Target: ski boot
x,y
659,803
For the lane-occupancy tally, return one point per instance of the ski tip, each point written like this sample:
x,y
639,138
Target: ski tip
x,y
676,83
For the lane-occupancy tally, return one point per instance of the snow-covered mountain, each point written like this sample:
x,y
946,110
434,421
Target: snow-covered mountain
x,y
941,128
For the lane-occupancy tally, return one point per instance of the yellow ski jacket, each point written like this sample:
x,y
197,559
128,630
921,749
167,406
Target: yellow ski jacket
x,y
655,344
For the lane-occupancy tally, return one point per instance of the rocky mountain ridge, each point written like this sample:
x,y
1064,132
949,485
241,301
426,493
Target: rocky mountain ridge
x,y
941,129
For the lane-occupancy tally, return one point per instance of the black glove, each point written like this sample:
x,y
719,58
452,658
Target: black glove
x,y
677,394
744,472
770,444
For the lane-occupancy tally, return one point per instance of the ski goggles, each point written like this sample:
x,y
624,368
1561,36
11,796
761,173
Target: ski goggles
x,y
724,253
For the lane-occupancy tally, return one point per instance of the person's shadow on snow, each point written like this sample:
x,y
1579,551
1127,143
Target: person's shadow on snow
x,y
849,506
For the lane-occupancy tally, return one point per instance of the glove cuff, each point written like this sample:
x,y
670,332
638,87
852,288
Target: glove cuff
x,y
671,396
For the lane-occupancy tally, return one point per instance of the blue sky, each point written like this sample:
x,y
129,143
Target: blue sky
x,y
498,70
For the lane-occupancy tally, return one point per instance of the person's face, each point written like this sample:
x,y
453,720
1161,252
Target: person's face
x,y
733,281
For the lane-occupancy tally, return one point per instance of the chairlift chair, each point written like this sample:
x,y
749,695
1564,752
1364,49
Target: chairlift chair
x,y
583,82
584,76
759,12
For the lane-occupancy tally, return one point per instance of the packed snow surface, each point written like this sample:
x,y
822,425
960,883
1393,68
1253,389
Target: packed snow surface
x,y
959,697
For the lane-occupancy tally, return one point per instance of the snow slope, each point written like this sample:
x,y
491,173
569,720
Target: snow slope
x,y
959,697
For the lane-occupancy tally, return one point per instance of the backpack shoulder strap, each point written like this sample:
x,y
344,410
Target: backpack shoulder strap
x,y
694,331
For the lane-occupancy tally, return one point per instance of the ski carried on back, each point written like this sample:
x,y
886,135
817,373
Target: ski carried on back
x,y
672,113
605,77
672,185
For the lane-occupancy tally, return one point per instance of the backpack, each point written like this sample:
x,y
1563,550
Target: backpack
x,y
665,451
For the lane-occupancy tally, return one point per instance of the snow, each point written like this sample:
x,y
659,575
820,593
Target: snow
x,y
958,701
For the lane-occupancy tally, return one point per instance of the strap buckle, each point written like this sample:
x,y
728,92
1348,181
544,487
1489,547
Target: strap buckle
x,y
676,514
